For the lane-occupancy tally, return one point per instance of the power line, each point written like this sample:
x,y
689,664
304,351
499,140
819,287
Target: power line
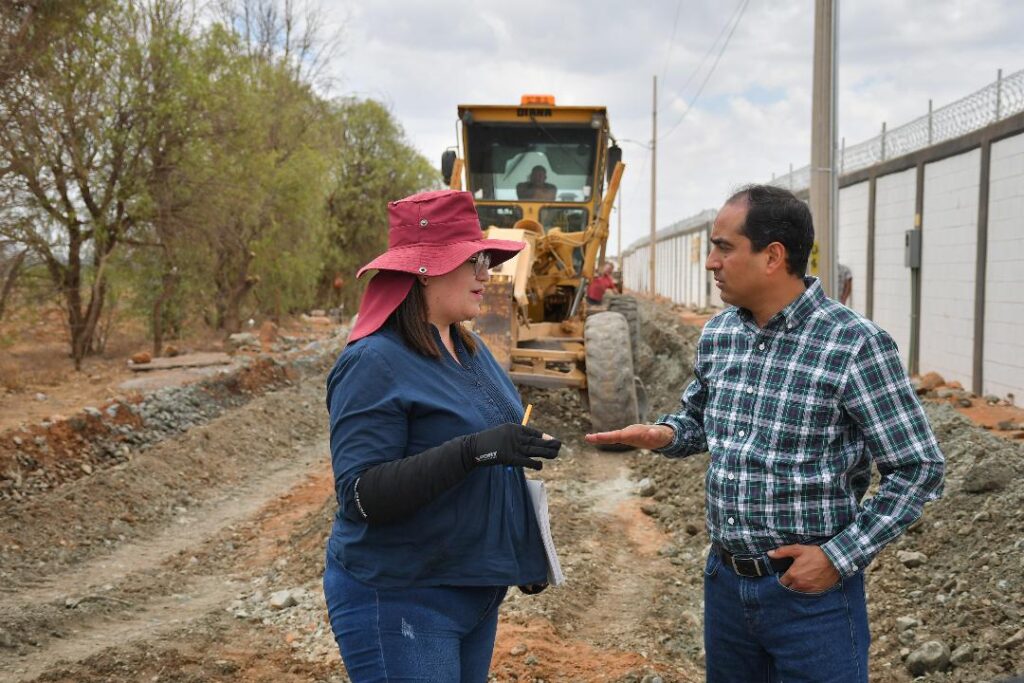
x,y
671,41
718,57
639,173
640,168
733,20
711,48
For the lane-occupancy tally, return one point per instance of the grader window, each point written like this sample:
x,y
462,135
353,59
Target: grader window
x,y
566,219
569,219
531,162
498,216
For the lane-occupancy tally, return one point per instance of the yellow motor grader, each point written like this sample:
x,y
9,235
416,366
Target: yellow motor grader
x,y
547,175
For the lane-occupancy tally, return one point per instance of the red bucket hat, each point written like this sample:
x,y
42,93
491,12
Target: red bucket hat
x,y
430,233
433,233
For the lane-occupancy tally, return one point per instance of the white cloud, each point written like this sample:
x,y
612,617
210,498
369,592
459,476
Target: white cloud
x,y
753,118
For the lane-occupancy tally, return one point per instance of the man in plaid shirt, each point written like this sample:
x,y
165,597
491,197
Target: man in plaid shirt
x,y
794,396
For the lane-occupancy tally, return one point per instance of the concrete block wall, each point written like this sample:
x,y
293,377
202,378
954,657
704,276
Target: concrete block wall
x,y
689,274
675,285
948,264
852,240
950,183
680,274
635,270
669,270
1003,364
679,270
697,246
661,266
894,215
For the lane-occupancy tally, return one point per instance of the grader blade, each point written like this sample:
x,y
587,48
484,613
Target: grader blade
x,y
493,323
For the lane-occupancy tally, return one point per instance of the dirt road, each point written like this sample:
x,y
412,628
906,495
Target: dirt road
x,y
144,558
164,567
198,558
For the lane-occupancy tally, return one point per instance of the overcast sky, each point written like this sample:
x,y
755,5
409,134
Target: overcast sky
x,y
753,117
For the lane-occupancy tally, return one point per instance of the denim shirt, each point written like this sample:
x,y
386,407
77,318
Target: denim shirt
x,y
387,401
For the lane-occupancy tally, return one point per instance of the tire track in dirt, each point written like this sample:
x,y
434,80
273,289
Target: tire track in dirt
x,y
184,533
157,618
629,541
602,624
142,592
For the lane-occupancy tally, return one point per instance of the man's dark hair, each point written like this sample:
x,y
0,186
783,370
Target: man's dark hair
x,y
776,215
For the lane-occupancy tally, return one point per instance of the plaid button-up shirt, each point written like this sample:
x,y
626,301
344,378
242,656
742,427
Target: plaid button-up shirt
x,y
793,414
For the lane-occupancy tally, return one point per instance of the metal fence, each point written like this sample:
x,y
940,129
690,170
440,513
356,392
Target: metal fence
x,y
997,100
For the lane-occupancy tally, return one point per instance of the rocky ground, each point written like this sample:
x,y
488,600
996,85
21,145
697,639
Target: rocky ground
x,y
946,600
178,536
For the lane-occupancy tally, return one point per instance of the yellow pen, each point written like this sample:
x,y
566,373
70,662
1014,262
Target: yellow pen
x,y
526,415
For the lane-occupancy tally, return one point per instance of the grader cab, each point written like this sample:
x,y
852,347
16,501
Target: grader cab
x,y
548,175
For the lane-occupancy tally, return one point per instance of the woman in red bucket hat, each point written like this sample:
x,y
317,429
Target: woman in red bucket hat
x,y
434,521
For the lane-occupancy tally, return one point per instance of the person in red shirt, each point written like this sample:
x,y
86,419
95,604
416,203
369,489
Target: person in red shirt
x,y
600,284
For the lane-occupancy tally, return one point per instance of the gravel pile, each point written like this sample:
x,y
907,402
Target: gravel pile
x,y
298,612
665,361
947,599
39,457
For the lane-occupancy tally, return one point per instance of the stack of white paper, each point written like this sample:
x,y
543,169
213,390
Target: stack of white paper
x,y
539,498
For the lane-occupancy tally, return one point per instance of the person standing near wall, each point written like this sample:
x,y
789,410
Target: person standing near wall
x,y
794,396
845,285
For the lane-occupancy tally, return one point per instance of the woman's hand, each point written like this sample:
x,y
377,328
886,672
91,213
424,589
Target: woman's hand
x,y
508,444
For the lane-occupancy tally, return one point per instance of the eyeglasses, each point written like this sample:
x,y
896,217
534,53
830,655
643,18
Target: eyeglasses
x,y
481,262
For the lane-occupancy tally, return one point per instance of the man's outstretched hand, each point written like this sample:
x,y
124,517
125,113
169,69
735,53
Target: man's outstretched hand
x,y
639,436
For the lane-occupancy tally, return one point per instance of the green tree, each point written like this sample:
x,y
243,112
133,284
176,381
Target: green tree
x,y
28,26
263,218
12,259
187,166
70,140
173,181
374,164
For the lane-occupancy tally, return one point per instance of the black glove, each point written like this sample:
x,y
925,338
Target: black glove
x,y
396,489
508,444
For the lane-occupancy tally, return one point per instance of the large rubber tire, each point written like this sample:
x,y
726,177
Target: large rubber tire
x,y
611,387
626,305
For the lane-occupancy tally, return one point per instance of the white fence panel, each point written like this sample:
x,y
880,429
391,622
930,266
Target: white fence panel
x,y
949,259
1003,365
852,240
894,215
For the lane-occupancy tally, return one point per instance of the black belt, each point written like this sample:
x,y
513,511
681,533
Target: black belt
x,y
752,567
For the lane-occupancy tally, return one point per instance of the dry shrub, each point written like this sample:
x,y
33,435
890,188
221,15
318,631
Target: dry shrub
x,y
39,368
34,349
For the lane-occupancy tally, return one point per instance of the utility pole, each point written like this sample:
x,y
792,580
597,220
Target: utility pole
x,y
654,182
824,180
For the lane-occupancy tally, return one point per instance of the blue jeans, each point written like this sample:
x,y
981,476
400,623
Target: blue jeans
x,y
442,633
757,630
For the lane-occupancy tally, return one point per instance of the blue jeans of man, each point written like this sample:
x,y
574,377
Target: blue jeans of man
x,y
442,634
757,630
